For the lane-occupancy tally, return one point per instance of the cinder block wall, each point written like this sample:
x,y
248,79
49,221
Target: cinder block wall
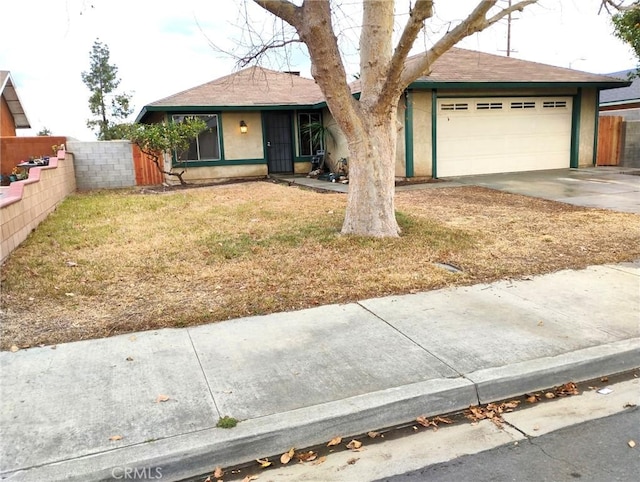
x,y
103,164
25,204
631,148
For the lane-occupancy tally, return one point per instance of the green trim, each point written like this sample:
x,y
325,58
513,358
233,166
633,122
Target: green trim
x,y
174,161
434,134
596,127
302,158
220,137
421,84
575,130
408,133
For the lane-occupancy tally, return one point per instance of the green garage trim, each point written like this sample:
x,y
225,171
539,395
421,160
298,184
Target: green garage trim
x,y
575,130
408,133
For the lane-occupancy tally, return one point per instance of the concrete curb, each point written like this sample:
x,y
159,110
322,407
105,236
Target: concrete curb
x,y
530,376
197,453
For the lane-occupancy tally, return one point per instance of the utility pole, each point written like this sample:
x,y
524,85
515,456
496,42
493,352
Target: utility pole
x,y
509,32
509,19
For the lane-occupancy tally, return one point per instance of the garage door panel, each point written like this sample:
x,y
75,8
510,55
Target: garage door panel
x,y
474,141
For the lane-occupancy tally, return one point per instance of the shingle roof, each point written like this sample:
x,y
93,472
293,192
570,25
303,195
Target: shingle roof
x,y
252,86
257,86
630,93
461,65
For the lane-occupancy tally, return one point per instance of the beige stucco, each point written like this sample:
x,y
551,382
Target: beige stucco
x,y
238,145
588,109
209,173
337,146
422,133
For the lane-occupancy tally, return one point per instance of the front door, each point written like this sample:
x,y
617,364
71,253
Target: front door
x,y
278,142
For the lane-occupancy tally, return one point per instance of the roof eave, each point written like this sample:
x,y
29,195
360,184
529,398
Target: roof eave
x,y
430,84
195,109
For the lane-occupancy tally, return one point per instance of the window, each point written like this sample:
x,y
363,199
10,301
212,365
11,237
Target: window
x,y
554,104
489,105
206,147
310,133
455,106
523,105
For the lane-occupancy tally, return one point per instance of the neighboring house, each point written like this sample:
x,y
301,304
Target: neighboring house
x,y
475,113
12,114
623,101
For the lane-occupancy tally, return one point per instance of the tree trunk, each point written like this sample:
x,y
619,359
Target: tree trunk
x,y
370,205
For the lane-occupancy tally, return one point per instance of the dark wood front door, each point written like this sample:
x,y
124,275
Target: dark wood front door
x,y
278,142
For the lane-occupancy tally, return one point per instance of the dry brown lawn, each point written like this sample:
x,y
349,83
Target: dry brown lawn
x,y
107,263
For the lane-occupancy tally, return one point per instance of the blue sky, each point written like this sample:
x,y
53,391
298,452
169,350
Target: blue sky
x,y
161,47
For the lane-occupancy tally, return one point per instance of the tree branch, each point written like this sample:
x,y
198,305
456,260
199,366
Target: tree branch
x,y
259,50
475,22
422,10
283,9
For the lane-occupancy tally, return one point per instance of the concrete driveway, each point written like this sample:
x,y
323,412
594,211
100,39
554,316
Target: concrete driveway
x,y
612,188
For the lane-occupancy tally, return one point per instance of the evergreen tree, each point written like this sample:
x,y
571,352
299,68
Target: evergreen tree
x,y
105,105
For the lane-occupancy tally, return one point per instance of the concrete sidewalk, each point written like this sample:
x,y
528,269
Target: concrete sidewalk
x,y
299,379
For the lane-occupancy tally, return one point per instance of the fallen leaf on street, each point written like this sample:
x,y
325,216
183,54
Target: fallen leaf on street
x,y
306,456
352,460
334,441
14,348
264,463
373,434
249,478
631,443
492,411
218,472
549,395
425,422
321,460
162,398
287,456
113,438
354,445
567,389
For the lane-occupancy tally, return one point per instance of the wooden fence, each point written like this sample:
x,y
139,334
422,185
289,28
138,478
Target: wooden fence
x,y
609,140
147,174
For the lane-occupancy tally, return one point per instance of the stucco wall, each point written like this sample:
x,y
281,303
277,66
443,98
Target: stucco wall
x,y
220,173
422,143
103,164
238,145
588,113
7,125
337,146
25,204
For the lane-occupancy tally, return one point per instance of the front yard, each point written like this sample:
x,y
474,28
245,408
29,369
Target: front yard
x,y
115,262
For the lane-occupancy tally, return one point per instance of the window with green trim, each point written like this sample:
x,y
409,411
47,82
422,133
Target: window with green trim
x,y
310,131
206,147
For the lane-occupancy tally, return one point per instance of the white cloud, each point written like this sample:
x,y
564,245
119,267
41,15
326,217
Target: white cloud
x,y
162,48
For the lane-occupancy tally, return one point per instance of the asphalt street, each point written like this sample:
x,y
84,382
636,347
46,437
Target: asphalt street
x,y
593,451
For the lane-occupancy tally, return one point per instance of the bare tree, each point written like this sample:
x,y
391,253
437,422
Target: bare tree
x,y
369,123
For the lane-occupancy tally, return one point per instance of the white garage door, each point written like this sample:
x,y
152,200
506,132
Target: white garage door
x,y
502,134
